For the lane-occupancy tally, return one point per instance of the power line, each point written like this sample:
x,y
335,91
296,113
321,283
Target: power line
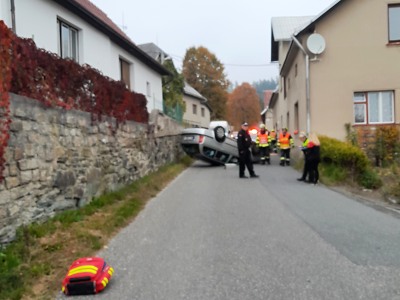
x,y
272,64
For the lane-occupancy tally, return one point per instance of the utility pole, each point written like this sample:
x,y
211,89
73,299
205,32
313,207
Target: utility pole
x,y
13,25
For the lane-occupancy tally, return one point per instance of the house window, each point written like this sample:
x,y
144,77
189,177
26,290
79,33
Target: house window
x,y
194,109
295,70
125,72
373,107
394,23
203,112
68,41
360,108
148,89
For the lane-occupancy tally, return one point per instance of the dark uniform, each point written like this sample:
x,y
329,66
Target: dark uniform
x,y
244,144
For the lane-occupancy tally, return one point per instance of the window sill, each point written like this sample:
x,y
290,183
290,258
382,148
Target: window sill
x,y
393,44
373,124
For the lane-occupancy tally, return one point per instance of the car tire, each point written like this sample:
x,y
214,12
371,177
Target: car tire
x,y
219,133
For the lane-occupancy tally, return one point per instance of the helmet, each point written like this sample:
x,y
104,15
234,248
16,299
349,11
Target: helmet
x,y
262,126
272,129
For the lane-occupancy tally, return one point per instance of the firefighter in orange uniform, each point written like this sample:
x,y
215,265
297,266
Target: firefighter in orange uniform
x,y
263,142
285,142
272,136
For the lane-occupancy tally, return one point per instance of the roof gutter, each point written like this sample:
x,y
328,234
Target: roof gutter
x,y
307,58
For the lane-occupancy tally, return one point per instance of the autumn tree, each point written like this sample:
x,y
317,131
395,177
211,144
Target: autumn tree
x,y
243,105
205,73
173,87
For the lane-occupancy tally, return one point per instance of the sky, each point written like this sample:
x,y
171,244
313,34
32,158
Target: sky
x,y
237,32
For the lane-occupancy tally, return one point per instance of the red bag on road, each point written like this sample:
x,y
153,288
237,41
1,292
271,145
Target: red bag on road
x,y
88,275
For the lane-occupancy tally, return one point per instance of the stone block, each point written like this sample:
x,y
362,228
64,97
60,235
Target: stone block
x,y
63,204
18,153
16,126
28,164
35,175
12,182
26,177
13,169
5,197
64,180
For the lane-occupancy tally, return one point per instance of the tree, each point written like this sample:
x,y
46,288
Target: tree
x,y
263,85
243,105
205,73
173,85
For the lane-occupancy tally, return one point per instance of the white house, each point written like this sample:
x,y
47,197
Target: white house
x,y
79,30
198,112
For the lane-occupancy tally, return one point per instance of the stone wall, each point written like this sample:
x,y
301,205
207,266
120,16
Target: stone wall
x,y
58,160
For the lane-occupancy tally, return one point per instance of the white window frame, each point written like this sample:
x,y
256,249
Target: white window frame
x,y
360,102
394,23
71,50
367,102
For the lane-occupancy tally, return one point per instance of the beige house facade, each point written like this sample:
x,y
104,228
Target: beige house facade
x,y
347,72
197,112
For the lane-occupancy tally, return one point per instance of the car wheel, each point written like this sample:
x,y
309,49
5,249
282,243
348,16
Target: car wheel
x,y
219,133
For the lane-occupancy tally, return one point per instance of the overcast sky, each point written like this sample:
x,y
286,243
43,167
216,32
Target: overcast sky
x,y
238,32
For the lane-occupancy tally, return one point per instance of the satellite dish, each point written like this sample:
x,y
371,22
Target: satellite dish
x,y
316,43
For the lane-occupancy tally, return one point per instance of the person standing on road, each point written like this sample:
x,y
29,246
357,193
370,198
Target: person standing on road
x,y
314,158
285,142
262,142
244,144
272,135
310,148
304,147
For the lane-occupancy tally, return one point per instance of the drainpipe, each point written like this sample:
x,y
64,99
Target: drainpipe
x,y
13,26
308,125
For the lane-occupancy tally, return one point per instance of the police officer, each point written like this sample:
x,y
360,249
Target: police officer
x,y
244,144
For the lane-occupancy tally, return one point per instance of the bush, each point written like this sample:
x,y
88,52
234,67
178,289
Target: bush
x,y
385,147
341,160
370,179
343,154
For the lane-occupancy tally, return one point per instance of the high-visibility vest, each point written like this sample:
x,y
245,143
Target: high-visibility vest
x,y
262,140
305,143
273,135
284,140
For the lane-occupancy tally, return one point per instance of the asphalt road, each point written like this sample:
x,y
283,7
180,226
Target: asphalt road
x,y
210,235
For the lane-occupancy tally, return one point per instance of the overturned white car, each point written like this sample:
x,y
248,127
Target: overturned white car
x,y
213,145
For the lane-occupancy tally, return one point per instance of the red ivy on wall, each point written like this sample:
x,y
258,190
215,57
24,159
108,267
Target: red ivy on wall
x,y
44,76
5,79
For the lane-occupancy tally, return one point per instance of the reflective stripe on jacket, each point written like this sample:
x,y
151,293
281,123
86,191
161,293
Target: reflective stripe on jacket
x,y
263,140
